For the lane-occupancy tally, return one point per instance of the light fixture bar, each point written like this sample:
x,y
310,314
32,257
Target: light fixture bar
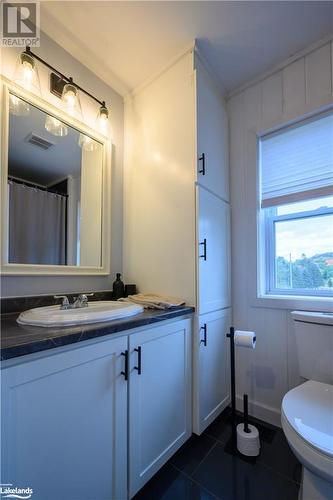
x,y
63,77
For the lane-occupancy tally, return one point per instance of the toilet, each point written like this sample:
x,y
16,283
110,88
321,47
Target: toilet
x,y
307,410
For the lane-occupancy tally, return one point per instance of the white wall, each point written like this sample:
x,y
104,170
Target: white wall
x,y
159,193
296,88
62,60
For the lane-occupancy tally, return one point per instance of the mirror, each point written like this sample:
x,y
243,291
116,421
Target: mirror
x,y
55,190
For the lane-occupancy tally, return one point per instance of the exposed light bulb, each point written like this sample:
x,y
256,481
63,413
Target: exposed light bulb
x,y
55,126
17,106
26,73
103,119
87,143
71,100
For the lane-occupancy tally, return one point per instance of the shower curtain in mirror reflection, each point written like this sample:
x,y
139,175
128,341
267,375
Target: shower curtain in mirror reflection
x,y
37,226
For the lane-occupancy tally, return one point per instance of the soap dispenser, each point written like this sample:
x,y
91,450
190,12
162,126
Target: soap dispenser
x,y
118,288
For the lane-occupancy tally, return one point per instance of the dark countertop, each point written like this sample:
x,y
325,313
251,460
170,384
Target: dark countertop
x,y
18,340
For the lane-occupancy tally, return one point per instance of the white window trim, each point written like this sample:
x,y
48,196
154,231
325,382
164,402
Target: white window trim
x,y
260,298
293,302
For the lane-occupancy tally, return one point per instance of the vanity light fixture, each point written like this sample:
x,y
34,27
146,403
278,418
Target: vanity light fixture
x,y
26,73
61,86
103,119
87,143
17,106
71,100
55,126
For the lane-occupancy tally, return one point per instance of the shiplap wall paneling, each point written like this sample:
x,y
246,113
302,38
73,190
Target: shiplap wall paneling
x,y
272,99
300,87
263,373
332,67
237,193
319,76
294,88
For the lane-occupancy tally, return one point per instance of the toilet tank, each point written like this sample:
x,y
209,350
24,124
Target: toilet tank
x,y
314,345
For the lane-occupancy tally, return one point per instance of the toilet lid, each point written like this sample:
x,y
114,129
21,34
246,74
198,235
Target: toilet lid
x,y
309,410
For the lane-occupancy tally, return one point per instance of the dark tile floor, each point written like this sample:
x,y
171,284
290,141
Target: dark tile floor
x,y
206,468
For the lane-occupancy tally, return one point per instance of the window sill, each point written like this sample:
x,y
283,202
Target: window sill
x,y
293,302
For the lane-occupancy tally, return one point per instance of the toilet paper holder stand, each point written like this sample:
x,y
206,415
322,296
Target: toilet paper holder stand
x,y
231,336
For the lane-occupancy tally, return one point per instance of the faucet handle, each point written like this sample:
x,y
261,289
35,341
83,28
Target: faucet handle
x,y
82,299
84,296
65,302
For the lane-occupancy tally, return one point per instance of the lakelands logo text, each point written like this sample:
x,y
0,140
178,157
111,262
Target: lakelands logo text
x,y
20,24
8,491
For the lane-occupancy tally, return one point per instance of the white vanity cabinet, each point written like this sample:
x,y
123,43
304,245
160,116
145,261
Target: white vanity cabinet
x,y
64,423
211,362
81,423
159,398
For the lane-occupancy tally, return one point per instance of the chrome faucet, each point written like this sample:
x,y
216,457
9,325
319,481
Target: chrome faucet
x,y
65,302
80,301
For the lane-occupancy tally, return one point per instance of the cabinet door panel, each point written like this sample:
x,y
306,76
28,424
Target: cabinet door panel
x,y
64,426
212,136
211,391
159,400
214,271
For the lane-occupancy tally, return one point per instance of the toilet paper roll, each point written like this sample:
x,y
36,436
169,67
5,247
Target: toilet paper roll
x,y
248,442
245,339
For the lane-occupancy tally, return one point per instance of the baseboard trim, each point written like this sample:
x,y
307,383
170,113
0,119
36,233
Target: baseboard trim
x,y
263,412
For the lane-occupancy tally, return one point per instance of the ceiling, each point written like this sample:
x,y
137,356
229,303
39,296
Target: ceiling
x,y
125,43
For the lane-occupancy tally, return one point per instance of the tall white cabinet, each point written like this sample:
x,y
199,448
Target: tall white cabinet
x,y
177,212
213,228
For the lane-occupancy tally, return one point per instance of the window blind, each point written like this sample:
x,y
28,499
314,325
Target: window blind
x,y
297,163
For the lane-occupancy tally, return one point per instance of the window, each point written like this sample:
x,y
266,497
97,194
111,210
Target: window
x,y
297,208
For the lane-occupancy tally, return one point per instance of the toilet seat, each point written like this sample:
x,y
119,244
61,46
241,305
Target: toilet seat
x,y
307,421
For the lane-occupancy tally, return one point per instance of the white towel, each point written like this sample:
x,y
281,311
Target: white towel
x,y
153,300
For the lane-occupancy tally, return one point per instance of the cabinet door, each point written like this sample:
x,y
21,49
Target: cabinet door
x,y
212,136
159,399
64,426
213,252
211,368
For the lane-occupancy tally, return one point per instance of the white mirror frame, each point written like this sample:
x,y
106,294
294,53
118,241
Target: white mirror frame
x,y
8,87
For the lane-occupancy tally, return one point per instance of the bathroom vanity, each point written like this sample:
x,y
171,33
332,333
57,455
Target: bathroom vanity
x,y
99,408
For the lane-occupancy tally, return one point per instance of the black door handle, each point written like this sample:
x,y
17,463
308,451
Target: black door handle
x,y
204,254
204,340
125,372
202,159
138,367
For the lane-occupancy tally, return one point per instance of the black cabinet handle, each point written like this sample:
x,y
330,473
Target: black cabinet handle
x,y
138,367
203,163
125,372
204,340
204,244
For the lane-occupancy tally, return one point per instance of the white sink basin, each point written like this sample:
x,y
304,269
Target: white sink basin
x,y
96,312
